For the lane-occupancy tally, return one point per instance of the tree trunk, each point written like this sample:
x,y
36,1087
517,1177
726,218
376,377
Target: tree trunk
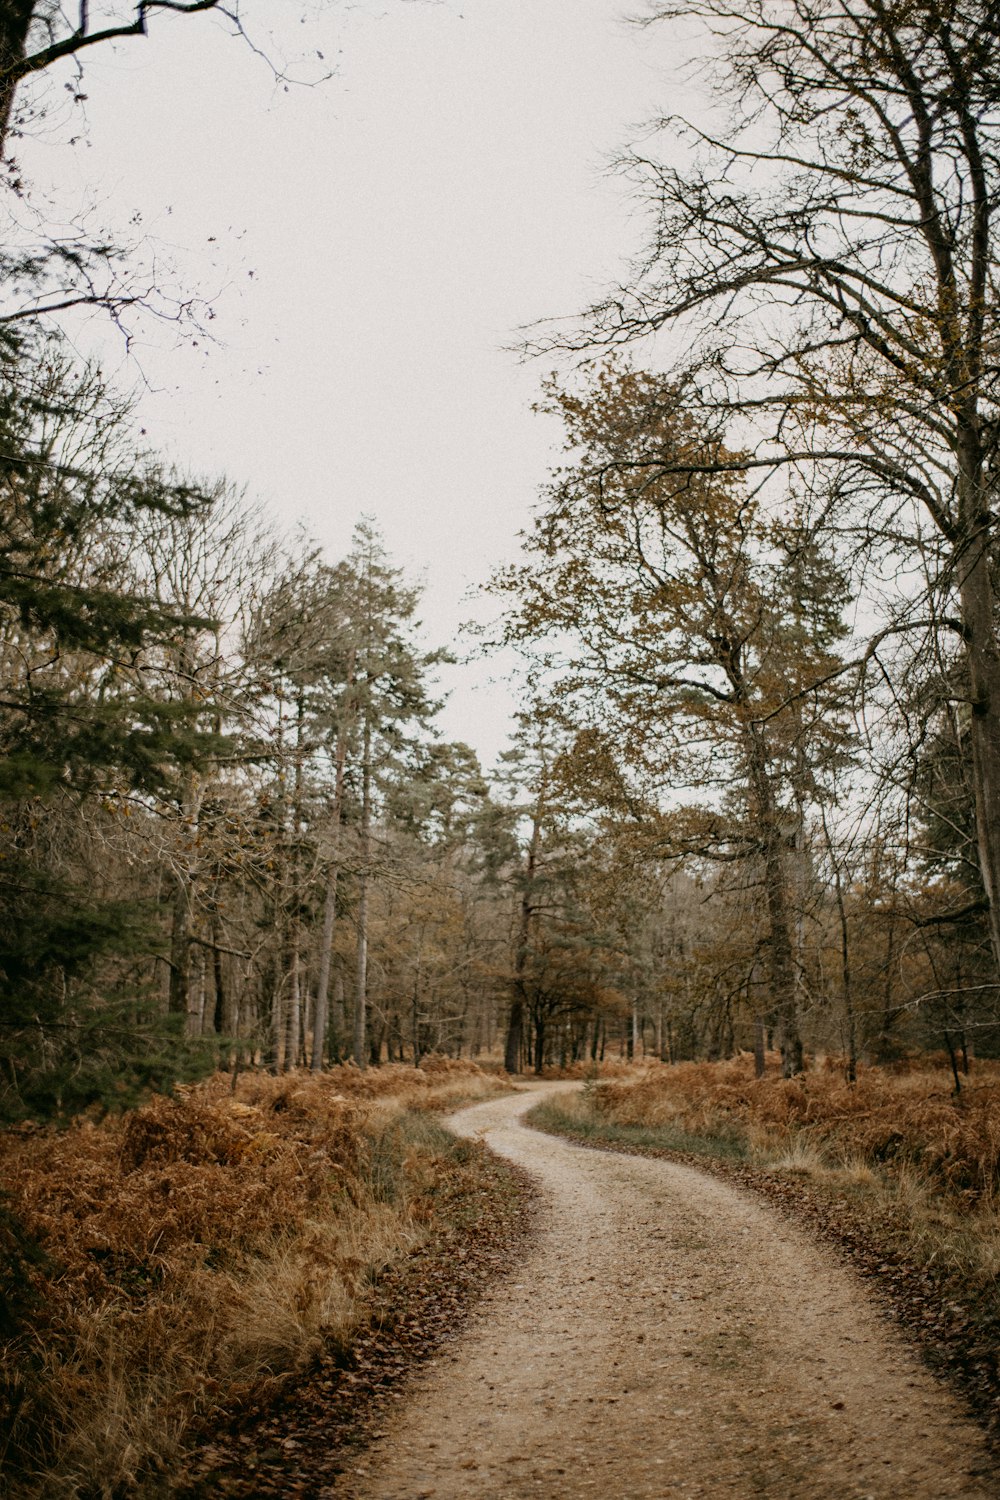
x,y
219,1012
332,877
338,1021
361,976
890,1012
361,973
845,957
515,1026
294,1043
415,1022
978,603
780,950
199,996
278,1028
515,1035
325,957
180,949
782,966
415,1003
15,19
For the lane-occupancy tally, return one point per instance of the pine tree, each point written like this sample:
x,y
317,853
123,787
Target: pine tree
x,y
78,723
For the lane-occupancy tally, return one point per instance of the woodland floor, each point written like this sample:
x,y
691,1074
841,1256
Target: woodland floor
x,y
667,1335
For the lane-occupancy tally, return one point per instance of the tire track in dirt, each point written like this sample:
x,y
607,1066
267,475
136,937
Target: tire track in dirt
x,y
665,1336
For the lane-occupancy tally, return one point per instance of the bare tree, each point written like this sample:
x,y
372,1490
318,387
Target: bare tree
x,y
828,256
35,34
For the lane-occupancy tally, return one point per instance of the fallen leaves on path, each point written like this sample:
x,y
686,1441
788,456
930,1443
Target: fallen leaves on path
x,y
958,1340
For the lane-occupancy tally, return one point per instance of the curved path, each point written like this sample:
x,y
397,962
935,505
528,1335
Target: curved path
x,y
668,1336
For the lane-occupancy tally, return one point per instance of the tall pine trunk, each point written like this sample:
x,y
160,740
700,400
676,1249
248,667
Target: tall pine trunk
x,y
330,901
361,970
518,999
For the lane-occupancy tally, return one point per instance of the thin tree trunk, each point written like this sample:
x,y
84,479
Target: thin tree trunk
x,y
332,877
183,916
781,954
361,974
845,957
219,1012
278,1021
279,997
180,949
978,606
889,1010
515,1025
338,1021
199,997
292,1049
325,958
954,1062
415,1003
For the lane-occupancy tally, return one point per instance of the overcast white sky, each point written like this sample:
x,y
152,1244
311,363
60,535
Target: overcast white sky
x,y
400,221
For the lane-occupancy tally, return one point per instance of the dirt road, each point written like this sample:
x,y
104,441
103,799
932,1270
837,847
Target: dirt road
x,y
668,1336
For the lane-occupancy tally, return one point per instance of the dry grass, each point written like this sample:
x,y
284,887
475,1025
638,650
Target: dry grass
x,y
919,1164
586,1068
198,1247
887,1121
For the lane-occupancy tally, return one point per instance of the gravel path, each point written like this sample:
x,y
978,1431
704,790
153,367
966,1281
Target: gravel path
x,y
668,1336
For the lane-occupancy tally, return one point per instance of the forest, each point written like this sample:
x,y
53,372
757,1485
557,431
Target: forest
x,y
235,839
749,811
749,796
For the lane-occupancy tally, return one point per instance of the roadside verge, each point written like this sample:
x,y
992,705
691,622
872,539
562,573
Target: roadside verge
x,y
480,1216
955,1328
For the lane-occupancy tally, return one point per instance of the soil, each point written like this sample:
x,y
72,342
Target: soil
x,y
955,1327
667,1335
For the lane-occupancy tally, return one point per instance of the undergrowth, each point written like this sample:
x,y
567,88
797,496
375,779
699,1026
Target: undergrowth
x,y
891,1122
575,1114
186,1255
896,1168
905,1138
